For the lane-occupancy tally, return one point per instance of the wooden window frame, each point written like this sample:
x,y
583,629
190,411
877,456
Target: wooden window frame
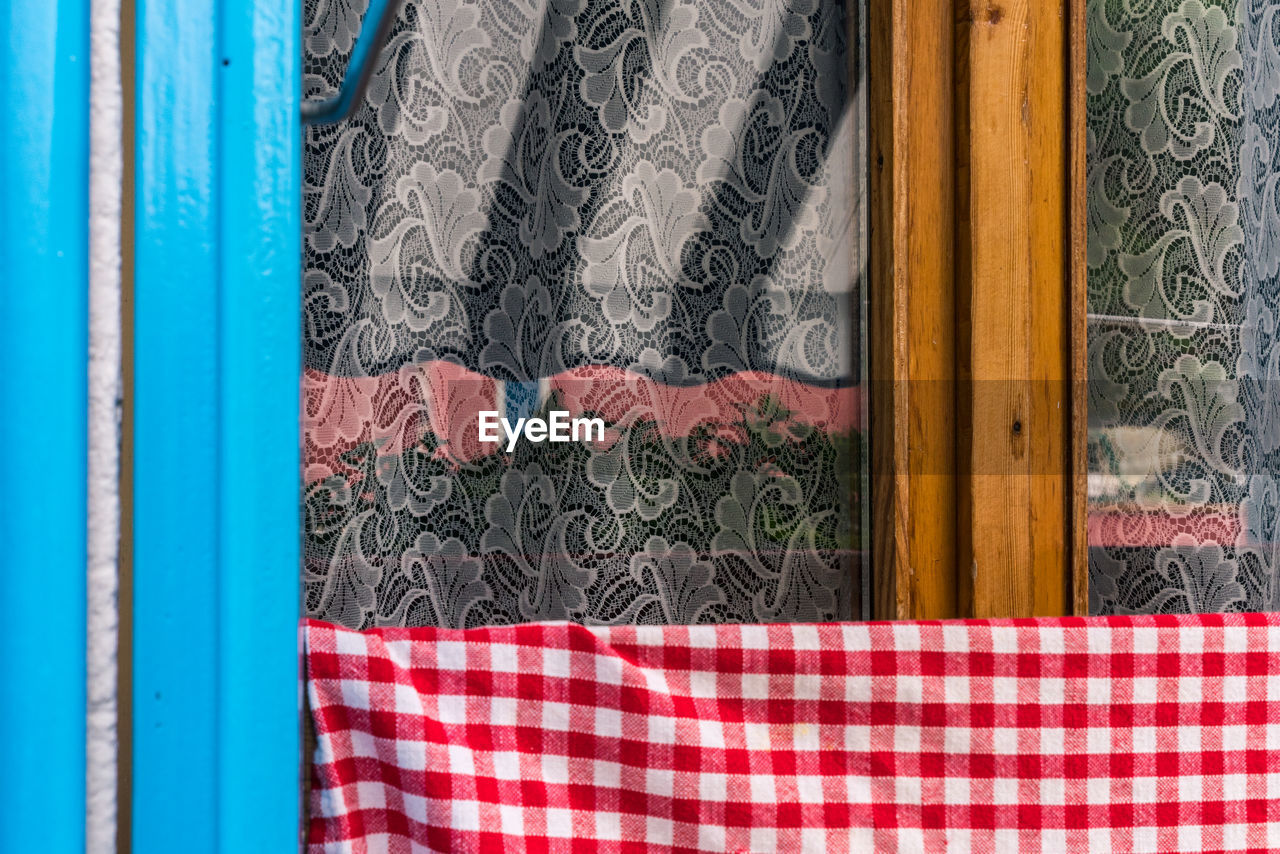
x,y
977,308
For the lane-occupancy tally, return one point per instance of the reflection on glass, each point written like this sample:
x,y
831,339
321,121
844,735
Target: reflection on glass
x,y
639,212
1184,450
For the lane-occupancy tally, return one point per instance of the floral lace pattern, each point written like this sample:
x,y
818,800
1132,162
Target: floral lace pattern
x,y
1183,255
646,211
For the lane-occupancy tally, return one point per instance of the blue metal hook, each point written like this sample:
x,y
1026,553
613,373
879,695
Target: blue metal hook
x,y
359,69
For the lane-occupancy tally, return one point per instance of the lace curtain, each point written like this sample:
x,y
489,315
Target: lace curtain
x,y
1183,255
647,211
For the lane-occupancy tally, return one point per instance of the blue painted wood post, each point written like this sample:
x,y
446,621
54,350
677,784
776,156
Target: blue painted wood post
x,y
44,219
217,365
260,458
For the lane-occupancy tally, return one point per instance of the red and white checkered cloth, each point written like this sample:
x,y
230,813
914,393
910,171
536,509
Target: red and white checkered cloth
x,y
1155,734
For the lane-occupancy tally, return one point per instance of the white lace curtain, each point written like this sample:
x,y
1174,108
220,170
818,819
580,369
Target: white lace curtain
x,y
1184,296
642,210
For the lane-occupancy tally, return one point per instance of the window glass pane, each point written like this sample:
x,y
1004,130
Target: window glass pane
x,y
1184,441
645,215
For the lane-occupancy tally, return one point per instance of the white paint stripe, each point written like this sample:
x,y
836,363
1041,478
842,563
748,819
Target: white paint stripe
x,y
105,188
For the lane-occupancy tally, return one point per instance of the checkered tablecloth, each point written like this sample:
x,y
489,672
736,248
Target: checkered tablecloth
x,y
1155,734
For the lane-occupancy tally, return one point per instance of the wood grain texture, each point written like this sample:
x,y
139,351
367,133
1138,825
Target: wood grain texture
x,y
976,307
912,309
886,67
1015,502
1077,67
1049,434
929,281
997,497
961,240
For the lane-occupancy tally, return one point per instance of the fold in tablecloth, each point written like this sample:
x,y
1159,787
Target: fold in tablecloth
x,y
1156,734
